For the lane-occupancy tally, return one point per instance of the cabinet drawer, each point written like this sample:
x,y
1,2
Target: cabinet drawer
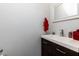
x,y
65,51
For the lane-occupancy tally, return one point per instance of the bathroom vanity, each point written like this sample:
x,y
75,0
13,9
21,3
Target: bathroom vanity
x,y
54,45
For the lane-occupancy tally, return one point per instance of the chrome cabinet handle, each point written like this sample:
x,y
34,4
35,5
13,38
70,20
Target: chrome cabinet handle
x,y
60,51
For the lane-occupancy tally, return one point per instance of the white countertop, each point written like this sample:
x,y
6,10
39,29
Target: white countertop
x,y
63,41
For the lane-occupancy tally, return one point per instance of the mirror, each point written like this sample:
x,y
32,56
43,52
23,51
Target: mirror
x,y
65,10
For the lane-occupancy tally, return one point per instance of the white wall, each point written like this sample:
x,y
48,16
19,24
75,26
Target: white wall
x,y
20,28
78,8
51,16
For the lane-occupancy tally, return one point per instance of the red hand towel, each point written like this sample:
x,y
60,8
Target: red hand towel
x,y
46,25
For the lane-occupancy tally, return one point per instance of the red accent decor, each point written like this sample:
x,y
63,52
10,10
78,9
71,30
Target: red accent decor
x,y
45,24
76,35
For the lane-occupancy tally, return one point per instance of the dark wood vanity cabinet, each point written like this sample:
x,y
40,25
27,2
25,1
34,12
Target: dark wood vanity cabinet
x,y
53,49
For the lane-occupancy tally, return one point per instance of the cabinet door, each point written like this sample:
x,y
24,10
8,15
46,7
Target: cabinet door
x,y
51,51
44,50
44,47
47,48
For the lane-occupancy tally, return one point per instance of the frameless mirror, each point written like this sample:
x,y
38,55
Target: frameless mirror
x,y
65,10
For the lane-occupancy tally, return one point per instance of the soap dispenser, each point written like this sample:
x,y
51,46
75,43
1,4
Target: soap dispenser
x,y
70,35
